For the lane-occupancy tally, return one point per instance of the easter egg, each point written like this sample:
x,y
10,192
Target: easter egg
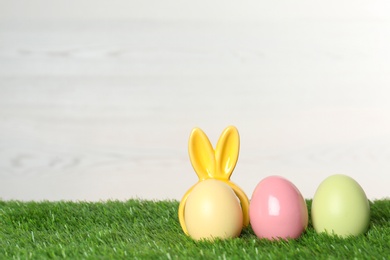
x,y
340,207
277,209
213,211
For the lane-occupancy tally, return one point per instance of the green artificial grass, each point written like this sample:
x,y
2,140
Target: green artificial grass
x,y
150,229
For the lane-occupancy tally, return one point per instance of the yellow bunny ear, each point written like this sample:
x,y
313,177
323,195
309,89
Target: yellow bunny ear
x,y
226,152
201,154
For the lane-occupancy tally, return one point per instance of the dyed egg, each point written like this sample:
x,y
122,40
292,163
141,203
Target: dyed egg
x,y
340,207
213,211
277,209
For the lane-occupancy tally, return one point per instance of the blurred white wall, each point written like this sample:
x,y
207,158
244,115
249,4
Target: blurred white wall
x,y
97,98
174,10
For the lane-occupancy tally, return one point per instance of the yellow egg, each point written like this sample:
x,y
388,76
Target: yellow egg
x,y
213,211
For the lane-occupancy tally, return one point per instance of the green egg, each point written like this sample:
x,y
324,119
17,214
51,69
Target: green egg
x,y
340,207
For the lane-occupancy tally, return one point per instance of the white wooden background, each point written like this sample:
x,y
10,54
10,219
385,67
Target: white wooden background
x,y
98,98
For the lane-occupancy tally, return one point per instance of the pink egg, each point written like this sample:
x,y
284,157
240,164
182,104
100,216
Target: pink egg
x,y
277,209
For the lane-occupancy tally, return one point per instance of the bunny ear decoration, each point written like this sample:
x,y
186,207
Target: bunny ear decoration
x,y
218,164
202,154
226,153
